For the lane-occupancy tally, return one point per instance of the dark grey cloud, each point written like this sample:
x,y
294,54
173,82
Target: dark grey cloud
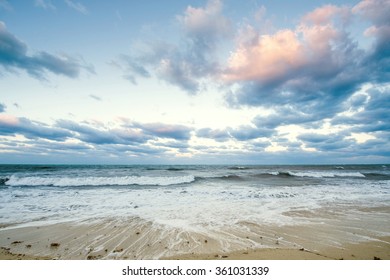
x,y
292,114
31,129
14,55
373,115
328,142
2,107
378,58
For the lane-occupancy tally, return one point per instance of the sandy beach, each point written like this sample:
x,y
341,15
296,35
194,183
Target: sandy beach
x,y
195,212
134,239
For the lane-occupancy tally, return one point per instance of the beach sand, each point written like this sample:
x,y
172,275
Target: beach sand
x,y
373,250
137,239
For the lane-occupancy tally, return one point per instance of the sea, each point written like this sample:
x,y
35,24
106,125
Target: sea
x,y
191,197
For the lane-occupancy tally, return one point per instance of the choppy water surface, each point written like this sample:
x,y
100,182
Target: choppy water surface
x,y
187,196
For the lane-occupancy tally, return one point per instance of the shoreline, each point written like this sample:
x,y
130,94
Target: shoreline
x,y
138,239
362,251
373,250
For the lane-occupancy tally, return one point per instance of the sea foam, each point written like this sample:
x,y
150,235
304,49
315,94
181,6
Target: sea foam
x,y
99,181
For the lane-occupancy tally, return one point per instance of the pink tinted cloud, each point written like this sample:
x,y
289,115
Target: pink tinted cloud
x,y
8,120
377,11
278,56
325,14
270,56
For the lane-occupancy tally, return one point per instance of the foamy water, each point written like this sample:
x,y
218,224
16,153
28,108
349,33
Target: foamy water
x,y
197,198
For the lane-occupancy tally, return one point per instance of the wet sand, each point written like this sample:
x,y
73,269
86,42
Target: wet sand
x,y
137,239
363,251
374,250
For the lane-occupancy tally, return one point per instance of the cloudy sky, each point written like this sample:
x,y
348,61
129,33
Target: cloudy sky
x,y
217,81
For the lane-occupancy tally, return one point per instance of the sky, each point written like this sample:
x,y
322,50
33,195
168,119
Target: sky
x,y
194,82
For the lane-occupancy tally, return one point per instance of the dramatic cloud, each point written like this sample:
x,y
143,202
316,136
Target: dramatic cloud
x,y
13,54
315,91
316,62
93,135
69,137
312,77
378,59
128,133
368,112
204,26
241,133
189,65
10,125
291,114
326,142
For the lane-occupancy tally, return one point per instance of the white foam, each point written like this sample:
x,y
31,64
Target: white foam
x,y
99,181
325,174
204,206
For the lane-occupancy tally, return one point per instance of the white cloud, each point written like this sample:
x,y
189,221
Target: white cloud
x,y
77,6
45,4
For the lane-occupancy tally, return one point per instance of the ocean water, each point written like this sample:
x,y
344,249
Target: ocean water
x,y
198,198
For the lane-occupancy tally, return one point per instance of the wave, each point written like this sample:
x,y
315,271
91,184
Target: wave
x,y
98,181
239,168
268,175
231,177
377,176
309,174
326,174
175,169
3,181
291,175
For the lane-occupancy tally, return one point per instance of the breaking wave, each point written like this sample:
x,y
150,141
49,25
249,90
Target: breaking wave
x,y
290,174
325,174
98,181
377,176
3,181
